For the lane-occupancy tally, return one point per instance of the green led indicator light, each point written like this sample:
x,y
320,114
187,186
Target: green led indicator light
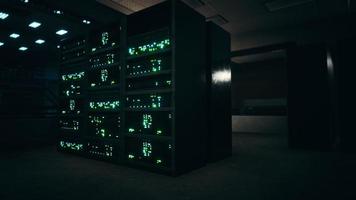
x,y
72,105
71,146
104,38
104,105
146,149
147,121
104,74
73,77
150,48
102,132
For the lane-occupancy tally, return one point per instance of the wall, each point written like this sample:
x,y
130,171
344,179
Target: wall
x,y
260,124
29,132
258,80
28,106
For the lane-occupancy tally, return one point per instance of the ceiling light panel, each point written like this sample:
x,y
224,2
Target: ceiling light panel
x,y
62,32
40,41
23,48
86,21
3,15
34,25
58,12
14,35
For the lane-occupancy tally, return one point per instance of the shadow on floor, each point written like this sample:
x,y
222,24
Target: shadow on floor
x,y
262,167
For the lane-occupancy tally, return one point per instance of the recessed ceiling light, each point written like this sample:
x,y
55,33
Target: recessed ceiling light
x,y
86,21
58,12
34,25
58,46
40,41
14,35
25,1
23,48
61,32
1,44
3,15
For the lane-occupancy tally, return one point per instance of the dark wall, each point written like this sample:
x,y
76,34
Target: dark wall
x,y
28,99
258,80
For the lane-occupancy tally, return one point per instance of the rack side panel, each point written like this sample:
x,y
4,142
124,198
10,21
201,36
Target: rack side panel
x,y
219,93
190,84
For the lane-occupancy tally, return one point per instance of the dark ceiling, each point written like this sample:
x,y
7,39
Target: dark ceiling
x,y
253,23
21,14
249,22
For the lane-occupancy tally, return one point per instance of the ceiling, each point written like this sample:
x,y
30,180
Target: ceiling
x,y
129,6
250,22
254,22
246,16
21,14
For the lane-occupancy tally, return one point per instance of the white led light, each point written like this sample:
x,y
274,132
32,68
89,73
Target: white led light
x,y
40,41
86,21
1,44
25,1
58,46
14,35
61,32
34,25
3,15
222,76
57,12
23,48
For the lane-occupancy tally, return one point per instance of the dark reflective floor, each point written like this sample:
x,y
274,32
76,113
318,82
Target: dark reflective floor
x,y
261,168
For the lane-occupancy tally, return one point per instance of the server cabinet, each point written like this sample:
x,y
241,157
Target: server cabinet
x,y
219,138
165,86
145,91
104,93
73,92
310,118
344,71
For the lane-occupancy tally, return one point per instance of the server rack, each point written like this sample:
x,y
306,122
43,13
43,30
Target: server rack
x,y
153,117
73,92
165,88
104,85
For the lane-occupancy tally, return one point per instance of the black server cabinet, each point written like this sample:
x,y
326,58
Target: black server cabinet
x,y
145,91
104,93
219,138
165,88
310,117
73,91
345,73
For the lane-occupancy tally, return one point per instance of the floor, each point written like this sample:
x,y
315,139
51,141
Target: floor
x,y
262,167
